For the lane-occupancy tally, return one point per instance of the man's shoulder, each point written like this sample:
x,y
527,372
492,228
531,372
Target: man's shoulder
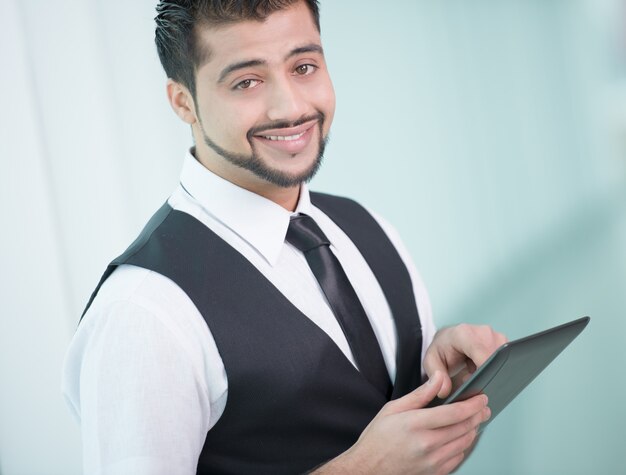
x,y
133,287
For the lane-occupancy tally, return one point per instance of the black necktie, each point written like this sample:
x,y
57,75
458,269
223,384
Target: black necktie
x,y
305,235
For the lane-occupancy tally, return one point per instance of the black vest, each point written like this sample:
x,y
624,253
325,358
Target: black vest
x,y
294,400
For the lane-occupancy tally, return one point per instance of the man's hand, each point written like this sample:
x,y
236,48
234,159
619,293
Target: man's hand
x,y
406,438
457,351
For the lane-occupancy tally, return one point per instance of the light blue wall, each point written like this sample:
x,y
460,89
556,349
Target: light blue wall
x,y
491,133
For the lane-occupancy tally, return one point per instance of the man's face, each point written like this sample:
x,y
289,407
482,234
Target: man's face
x,y
264,100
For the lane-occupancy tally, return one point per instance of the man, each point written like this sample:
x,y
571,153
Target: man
x,y
255,327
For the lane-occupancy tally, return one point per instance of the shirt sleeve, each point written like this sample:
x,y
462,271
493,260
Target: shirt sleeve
x,y
419,289
142,406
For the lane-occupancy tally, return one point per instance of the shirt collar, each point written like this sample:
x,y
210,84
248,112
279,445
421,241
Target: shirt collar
x,y
260,222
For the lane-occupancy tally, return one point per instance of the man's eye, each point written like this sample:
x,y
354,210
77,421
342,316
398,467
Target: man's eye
x,y
247,84
305,69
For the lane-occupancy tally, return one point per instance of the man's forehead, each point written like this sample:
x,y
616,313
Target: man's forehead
x,y
270,39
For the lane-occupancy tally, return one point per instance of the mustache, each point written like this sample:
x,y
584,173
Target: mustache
x,y
285,124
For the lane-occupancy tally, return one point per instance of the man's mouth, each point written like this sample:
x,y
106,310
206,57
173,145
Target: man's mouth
x,y
291,140
283,137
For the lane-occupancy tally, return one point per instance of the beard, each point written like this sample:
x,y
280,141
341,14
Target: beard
x,y
255,163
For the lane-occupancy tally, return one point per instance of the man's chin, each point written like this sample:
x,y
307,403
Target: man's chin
x,y
289,180
286,172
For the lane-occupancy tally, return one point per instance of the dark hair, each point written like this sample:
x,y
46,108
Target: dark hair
x,y
177,22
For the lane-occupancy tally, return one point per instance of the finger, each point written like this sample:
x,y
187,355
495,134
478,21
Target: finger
x,y
470,366
451,464
452,453
448,456
479,342
469,425
449,414
461,377
418,398
445,443
465,376
434,363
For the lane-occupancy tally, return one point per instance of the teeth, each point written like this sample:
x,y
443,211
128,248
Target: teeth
x,y
283,137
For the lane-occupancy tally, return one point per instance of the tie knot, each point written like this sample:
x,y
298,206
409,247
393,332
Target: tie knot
x,y
305,234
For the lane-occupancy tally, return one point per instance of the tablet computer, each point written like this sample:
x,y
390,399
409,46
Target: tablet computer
x,y
514,365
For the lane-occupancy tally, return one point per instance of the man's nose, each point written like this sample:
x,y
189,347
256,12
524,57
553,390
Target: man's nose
x,y
286,102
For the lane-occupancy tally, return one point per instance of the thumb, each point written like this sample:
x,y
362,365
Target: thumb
x,y
434,365
420,397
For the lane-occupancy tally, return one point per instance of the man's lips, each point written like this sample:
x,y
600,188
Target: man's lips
x,y
291,140
286,133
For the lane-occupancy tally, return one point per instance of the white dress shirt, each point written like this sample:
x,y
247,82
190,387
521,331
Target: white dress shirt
x,y
143,375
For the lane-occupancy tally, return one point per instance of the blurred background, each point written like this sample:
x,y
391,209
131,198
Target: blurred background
x,y
492,134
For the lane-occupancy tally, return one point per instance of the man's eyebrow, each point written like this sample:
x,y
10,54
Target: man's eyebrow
x,y
311,48
240,65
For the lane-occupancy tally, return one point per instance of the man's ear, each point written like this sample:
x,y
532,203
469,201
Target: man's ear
x,y
181,101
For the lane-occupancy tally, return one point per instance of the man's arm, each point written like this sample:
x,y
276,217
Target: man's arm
x,y
141,406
